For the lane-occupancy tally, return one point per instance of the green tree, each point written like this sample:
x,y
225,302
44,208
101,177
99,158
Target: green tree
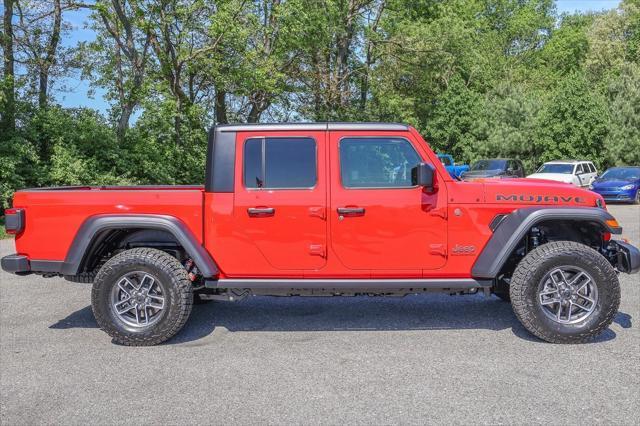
x,y
622,144
573,122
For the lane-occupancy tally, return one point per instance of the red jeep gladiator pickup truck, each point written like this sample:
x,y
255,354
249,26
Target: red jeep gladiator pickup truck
x,y
325,209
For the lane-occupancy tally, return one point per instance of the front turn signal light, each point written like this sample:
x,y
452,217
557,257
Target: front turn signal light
x,y
612,223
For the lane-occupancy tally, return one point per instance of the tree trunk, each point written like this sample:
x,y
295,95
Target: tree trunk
x,y
343,54
221,107
50,58
254,114
9,107
364,89
177,120
123,121
42,87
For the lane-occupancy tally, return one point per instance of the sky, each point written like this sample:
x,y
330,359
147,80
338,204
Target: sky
x,y
76,93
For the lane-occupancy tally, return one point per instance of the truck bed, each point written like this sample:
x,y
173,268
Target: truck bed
x,y
56,214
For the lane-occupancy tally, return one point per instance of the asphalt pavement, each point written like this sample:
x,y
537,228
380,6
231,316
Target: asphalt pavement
x,y
268,360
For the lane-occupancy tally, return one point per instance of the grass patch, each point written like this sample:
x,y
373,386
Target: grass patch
x,y
3,233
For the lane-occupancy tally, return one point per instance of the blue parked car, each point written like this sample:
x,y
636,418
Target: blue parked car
x,y
455,170
619,184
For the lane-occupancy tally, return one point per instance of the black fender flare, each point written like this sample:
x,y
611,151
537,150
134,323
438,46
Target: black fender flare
x,y
94,225
515,225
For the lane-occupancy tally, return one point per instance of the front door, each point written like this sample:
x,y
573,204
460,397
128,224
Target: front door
x,y
280,198
380,220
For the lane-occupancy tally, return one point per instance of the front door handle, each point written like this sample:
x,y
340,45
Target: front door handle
x,y
351,211
261,211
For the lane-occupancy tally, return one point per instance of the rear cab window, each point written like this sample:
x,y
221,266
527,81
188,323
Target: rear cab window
x,y
280,163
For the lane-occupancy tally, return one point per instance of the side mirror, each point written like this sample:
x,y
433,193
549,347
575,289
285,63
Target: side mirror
x,y
423,175
509,171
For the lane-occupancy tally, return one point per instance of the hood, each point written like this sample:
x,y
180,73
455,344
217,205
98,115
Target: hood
x,y
614,183
558,177
538,192
472,174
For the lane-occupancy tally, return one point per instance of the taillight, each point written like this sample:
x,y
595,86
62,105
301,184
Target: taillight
x,y
14,220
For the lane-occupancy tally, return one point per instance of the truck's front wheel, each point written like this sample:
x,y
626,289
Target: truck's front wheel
x,y
142,297
565,292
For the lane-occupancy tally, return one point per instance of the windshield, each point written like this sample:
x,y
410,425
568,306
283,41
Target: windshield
x,y
556,168
445,160
489,165
622,174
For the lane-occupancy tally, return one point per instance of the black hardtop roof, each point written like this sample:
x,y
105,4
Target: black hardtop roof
x,y
310,126
221,153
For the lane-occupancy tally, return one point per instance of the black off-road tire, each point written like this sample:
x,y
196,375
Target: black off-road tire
x,y
177,290
533,268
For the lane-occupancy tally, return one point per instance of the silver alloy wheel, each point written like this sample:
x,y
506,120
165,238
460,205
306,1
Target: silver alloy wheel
x,y
137,299
568,294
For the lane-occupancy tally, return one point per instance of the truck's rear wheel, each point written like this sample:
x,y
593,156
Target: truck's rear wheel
x,y
565,292
142,297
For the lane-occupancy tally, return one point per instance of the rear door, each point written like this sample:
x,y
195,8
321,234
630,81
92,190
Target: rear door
x,y
281,196
379,219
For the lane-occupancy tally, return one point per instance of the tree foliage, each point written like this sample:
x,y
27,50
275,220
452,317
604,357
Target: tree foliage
x,y
478,78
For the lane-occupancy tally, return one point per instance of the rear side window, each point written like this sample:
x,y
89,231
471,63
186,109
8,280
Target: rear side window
x,y
280,163
377,162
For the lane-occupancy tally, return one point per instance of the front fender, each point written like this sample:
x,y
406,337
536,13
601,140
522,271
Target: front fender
x,y
516,225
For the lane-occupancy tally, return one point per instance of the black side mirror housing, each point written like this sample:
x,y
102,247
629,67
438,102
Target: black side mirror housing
x,y
424,175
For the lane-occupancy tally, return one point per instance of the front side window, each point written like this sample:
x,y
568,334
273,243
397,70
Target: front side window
x,y
384,162
280,163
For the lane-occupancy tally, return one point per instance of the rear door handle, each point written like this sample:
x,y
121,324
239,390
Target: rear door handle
x,y
261,211
351,211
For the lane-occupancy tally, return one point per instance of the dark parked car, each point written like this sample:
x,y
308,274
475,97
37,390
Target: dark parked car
x,y
495,168
619,184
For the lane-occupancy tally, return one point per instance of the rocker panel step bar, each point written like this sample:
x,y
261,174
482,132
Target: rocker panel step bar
x,y
458,284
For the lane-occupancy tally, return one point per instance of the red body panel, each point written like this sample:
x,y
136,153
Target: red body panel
x,y
54,217
404,232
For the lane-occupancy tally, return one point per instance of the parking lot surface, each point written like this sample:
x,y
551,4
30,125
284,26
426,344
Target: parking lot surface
x,y
413,360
